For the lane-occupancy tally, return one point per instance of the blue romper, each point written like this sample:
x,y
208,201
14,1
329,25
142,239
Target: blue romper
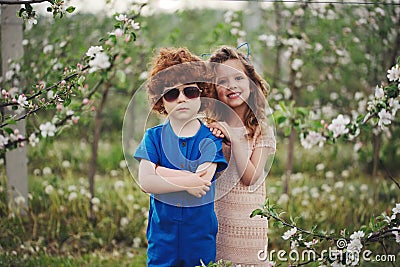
x,y
181,228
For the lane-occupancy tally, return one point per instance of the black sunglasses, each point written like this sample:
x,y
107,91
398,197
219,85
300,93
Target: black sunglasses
x,y
190,92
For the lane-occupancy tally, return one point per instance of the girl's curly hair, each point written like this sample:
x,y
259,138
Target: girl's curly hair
x,y
255,115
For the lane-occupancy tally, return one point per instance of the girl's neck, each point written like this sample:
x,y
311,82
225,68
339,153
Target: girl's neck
x,y
185,128
237,118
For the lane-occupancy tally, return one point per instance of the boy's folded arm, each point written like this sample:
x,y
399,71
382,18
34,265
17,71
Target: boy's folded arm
x,y
210,167
164,171
151,182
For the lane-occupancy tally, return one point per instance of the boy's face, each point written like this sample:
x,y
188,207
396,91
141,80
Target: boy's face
x,y
182,102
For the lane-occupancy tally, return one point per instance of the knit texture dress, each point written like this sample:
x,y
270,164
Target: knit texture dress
x,y
240,238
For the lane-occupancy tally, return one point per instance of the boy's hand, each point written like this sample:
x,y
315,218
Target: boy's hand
x,y
200,190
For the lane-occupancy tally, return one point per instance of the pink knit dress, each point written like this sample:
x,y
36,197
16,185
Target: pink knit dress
x,y
240,238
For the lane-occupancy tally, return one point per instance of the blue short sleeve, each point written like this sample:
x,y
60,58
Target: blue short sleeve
x,y
147,148
211,151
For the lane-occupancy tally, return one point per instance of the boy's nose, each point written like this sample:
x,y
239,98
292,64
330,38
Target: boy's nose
x,y
181,97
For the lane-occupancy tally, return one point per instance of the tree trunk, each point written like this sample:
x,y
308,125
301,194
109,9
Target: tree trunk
x,y
278,61
95,144
16,159
377,140
292,137
289,162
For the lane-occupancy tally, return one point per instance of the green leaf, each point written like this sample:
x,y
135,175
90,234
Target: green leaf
x,y
256,213
121,76
28,8
278,224
8,130
133,36
281,119
392,91
70,9
302,111
67,101
283,107
287,131
19,14
11,121
81,80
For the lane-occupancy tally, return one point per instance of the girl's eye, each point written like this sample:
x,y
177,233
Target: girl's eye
x,y
239,78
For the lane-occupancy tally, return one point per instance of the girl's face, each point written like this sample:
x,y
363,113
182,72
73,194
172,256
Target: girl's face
x,y
233,85
183,105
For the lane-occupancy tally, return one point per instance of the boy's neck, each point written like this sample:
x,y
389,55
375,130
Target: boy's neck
x,y
185,128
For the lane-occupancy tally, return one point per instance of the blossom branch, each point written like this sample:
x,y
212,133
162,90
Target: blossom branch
x,y
389,174
10,2
386,251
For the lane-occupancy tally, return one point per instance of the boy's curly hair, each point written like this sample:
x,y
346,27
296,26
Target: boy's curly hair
x,y
172,67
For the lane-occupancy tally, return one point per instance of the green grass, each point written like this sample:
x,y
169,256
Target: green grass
x,y
59,230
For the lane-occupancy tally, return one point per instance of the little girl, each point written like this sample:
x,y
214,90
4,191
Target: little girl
x,y
249,143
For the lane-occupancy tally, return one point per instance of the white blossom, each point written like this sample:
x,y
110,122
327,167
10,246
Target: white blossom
x,y
396,210
379,93
338,125
270,40
121,17
3,141
394,73
296,64
357,235
47,129
93,50
19,200
289,233
384,118
395,105
22,100
119,184
318,47
124,221
312,139
118,32
136,242
100,61
312,242
9,75
95,201
33,139
47,171
355,245
72,196
49,189
47,49
135,25
72,188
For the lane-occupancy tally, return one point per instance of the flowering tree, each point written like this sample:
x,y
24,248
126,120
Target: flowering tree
x,y
67,96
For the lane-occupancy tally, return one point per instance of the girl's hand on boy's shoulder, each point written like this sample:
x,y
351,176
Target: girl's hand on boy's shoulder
x,y
220,130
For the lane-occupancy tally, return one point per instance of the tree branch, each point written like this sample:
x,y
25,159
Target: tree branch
x,y
10,2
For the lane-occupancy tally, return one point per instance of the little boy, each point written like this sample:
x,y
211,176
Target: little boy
x,y
178,161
